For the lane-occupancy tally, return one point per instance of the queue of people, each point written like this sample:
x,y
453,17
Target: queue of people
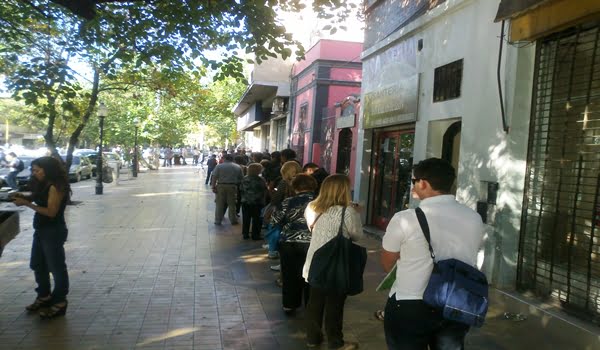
x,y
299,209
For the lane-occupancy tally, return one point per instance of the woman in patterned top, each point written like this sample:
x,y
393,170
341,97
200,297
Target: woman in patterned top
x,y
294,241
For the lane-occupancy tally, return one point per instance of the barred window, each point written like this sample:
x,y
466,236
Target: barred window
x,y
447,81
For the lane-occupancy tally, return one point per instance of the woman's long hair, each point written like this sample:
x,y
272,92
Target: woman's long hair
x,y
55,174
335,190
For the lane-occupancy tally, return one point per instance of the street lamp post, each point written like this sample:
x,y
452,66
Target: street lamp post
x,y
102,112
136,123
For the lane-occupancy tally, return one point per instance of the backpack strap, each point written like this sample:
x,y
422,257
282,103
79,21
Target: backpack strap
x,y
425,228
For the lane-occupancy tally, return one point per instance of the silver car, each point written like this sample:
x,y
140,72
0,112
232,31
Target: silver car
x,y
81,168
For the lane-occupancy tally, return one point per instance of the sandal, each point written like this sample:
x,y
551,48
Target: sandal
x,y
55,310
380,315
38,304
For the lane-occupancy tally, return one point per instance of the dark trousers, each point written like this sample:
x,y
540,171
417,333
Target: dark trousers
x,y
251,215
208,172
292,256
331,306
414,325
48,256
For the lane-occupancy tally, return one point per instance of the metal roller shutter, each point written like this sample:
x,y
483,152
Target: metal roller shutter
x,y
559,253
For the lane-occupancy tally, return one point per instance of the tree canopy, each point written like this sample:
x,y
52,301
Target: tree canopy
x,y
128,44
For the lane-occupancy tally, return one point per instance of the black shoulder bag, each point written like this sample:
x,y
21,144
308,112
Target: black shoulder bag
x,y
337,267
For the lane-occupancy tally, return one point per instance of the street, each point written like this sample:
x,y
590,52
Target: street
x,y
149,270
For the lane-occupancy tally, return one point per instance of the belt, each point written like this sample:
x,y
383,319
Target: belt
x,y
228,183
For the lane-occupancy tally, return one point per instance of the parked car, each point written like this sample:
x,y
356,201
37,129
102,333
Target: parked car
x,y
92,156
22,177
81,168
115,158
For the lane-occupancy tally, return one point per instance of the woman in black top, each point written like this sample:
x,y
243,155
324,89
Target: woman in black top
x,y
51,193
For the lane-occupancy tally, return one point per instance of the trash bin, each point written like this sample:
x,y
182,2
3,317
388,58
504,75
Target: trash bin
x,y
9,227
115,171
177,159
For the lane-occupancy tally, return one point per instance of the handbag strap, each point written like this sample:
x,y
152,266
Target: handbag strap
x,y
425,228
341,229
312,226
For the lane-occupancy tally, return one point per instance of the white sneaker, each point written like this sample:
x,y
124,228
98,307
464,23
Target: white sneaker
x,y
276,267
265,246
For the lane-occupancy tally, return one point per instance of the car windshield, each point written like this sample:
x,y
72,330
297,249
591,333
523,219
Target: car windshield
x,y
75,160
111,156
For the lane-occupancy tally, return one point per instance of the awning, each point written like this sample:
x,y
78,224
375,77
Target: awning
x,y
513,8
251,118
260,91
534,19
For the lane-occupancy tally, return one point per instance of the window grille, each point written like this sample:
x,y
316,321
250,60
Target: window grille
x,y
447,81
559,251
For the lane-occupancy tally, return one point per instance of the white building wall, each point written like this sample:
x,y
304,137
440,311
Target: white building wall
x,y
464,29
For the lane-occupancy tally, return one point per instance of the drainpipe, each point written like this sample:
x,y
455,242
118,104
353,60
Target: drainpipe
x,y
505,126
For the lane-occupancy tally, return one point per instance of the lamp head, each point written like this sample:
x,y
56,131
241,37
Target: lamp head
x,y
137,122
102,110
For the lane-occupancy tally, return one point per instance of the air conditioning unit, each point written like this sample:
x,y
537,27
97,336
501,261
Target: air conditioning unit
x,y
278,105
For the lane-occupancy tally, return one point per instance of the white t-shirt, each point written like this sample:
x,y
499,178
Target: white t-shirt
x,y
456,233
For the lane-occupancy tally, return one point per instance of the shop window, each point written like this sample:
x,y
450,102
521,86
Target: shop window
x,y
447,81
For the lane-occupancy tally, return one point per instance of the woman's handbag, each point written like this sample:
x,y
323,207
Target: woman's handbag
x,y
458,289
338,266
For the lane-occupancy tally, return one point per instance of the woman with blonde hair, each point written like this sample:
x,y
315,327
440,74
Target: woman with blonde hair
x,y
323,216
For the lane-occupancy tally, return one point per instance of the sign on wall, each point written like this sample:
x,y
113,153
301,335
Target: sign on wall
x,y
390,86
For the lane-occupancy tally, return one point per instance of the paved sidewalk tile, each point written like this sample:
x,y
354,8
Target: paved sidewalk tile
x,y
150,270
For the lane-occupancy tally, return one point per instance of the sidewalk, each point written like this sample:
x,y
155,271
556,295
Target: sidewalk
x,y
149,270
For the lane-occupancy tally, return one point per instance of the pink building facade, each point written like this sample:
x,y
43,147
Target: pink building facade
x,y
329,76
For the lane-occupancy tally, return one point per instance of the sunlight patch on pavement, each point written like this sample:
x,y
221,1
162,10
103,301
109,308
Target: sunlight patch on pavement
x,y
171,334
14,263
255,257
157,194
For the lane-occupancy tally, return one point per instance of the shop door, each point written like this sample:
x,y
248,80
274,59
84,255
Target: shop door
x,y
393,164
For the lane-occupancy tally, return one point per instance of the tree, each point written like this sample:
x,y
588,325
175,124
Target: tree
x,y
41,43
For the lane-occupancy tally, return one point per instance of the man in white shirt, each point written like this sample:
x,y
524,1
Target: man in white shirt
x,y
456,232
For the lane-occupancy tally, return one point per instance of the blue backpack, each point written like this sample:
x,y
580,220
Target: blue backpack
x,y
458,289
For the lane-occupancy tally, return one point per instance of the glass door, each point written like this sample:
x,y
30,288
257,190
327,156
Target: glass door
x,y
393,168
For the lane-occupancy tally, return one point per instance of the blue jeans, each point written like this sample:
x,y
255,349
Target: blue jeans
x,y
272,237
48,256
414,325
11,180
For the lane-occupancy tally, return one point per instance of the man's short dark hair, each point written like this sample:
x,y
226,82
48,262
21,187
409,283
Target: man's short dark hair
x,y
229,157
309,166
438,172
288,154
304,183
